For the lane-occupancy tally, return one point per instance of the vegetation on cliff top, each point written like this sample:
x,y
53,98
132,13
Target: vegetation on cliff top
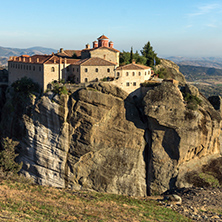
x,y
147,57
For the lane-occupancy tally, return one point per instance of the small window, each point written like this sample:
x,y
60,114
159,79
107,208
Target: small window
x,y
77,69
145,73
13,65
33,68
40,69
27,67
127,73
133,73
97,70
127,84
18,66
97,79
139,73
108,70
117,73
53,69
73,69
86,80
86,70
134,84
30,67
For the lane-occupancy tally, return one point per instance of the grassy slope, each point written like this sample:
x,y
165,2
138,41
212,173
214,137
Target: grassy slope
x,y
25,202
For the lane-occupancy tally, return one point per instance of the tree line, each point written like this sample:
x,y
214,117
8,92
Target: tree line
x,y
147,57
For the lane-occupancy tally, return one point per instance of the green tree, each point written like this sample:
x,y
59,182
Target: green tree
x,y
149,54
124,58
131,55
8,155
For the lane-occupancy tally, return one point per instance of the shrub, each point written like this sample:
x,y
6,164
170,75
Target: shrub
x,y
192,101
7,157
59,88
26,86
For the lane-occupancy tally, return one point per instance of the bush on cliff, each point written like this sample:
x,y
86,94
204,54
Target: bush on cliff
x,y
26,86
59,88
7,157
192,101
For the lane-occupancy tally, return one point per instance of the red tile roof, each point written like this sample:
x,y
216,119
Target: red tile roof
x,y
103,37
43,59
133,66
101,47
95,61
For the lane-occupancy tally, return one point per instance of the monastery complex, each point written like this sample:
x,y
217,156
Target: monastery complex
x,y
79,66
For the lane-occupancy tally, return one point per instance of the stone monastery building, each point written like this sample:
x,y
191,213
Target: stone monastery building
x,y
79,66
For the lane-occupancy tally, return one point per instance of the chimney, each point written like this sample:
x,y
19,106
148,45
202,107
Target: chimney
x,y
133,61
95,44
37,59
111,44
14,58
23,59
60,60
30,59
10,58
61,50
19,59
54,60
87,46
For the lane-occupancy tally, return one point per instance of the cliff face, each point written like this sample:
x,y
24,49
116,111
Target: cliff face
x,y
81,141
99,138
180,138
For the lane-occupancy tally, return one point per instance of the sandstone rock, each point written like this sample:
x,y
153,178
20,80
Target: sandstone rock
x,y
172,69
83,141
98,138
179,136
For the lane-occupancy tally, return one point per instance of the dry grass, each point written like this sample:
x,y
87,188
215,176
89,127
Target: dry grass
x,y
26,202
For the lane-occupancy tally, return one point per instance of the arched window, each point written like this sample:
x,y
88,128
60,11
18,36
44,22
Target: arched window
x,y
139,73
86,80
33,68
133,73
117,73
86,70
108,70
127,73
97,79
97,70
53,69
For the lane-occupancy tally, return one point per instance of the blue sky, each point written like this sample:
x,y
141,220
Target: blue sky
x,y
174,28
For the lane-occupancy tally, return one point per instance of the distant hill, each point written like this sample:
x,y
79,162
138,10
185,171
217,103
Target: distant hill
x,y
212,62
5,53
199,72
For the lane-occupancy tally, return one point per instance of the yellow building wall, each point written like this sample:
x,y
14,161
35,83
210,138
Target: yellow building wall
x,y
92,75
128,81
17,70
106,54
49,75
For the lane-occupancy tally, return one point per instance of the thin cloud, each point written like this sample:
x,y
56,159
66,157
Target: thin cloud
x,y
204,9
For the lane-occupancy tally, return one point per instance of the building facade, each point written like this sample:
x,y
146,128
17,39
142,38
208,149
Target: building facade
x,y
79,66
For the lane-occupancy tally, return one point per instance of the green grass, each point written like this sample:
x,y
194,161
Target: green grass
x,y
40,203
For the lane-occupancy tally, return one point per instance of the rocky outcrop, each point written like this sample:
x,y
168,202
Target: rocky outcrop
x,y
180,137
99,138
83,141
172,69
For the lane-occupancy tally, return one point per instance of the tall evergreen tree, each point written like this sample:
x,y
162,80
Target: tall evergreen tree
x,y
150,55
131,55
